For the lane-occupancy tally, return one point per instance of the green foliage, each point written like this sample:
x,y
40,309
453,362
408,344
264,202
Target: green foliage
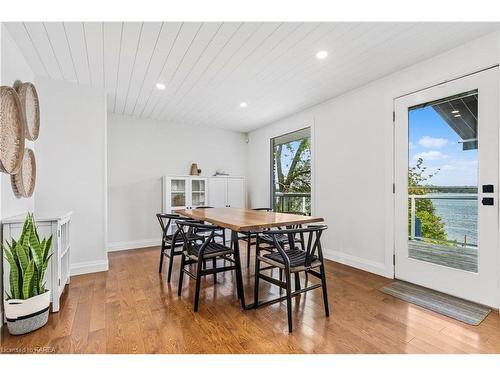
x,y
28,259
431,224
295,175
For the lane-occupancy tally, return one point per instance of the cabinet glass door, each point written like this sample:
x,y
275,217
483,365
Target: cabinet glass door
x,y
198,192
177,193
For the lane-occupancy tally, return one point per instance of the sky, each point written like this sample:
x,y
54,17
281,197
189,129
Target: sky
x,y
431,138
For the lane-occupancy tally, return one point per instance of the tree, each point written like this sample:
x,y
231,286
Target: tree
x,y
292,167
432,226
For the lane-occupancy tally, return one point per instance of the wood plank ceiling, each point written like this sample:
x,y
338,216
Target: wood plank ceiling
x,y
210,68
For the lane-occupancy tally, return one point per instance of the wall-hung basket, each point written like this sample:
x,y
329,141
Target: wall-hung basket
x,y
12,128
23,183
31,109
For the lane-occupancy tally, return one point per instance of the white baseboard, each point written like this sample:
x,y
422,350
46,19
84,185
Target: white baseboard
x,y
356,262
89,267
127,245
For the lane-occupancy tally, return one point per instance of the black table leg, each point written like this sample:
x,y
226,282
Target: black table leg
x,y
239,276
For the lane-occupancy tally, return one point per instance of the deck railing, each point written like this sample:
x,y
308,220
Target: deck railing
x,y
414,235
292,202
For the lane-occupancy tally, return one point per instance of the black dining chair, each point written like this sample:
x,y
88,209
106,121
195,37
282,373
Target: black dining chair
x,y
196,251
170,241
220,232
293,261
249,237
269,240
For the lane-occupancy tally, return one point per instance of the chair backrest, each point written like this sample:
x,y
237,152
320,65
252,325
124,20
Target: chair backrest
x,y
313,248
189,226
165,220
262,209
294,226
204,207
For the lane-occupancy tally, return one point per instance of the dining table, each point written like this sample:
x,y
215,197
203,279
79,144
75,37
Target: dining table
x,y
243,220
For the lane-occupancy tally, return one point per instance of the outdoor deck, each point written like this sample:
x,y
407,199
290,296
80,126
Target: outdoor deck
x,y
463,258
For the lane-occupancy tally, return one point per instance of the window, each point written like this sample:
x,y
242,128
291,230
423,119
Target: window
x,y
291,172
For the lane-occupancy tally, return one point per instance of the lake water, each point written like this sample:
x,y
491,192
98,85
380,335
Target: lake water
x,y
459,216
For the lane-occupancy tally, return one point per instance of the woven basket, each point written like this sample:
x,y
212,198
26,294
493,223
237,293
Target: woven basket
x,y
31,109
12,127
23,183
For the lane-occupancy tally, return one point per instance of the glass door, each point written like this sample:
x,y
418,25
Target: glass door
x,y
198,192
177,193
291,172
446,172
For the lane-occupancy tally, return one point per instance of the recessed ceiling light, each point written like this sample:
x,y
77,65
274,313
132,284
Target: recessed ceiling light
x,y
160,86
455,111
243,104
321,55
457,116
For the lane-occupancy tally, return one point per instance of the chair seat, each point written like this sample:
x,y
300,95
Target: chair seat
x,y
297,259
212,250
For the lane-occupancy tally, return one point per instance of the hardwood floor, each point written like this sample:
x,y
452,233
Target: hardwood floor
x,y
131,309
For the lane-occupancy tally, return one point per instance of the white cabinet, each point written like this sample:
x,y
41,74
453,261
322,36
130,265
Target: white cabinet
x,y
184,192
57,274
193,191
226,192
236,192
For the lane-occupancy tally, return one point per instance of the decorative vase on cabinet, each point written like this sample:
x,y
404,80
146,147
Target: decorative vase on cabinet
x,y
57,275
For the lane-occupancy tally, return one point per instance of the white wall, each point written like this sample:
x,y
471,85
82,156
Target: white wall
x,y
140,152
352,155
71,167
13,67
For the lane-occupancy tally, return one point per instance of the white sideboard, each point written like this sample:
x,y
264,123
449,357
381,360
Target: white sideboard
x,y
193,191
58,270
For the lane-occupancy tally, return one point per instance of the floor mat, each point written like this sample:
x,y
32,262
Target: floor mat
x,y
453,307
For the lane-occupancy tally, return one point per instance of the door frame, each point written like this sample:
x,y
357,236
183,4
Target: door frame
x,y
298,126
394,148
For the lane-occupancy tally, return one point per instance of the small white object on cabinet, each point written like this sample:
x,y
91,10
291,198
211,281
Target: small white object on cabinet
x,y
58,270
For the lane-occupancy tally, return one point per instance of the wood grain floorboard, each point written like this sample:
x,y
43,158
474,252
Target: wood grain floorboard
x,y
131,309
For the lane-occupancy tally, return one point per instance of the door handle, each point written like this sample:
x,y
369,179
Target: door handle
x,y
488,201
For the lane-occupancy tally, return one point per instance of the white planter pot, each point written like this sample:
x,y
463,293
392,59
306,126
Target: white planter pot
x,y
27,315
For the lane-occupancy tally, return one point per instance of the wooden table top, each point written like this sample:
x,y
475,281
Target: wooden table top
x,y
243,220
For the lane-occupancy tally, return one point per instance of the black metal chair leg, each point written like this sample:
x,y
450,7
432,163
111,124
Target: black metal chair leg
x,y
181,274
198,284
249,246
297,280
170,262
162,255
289,299
324,288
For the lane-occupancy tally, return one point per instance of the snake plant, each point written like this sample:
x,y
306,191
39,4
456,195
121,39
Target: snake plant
x,y
28,258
